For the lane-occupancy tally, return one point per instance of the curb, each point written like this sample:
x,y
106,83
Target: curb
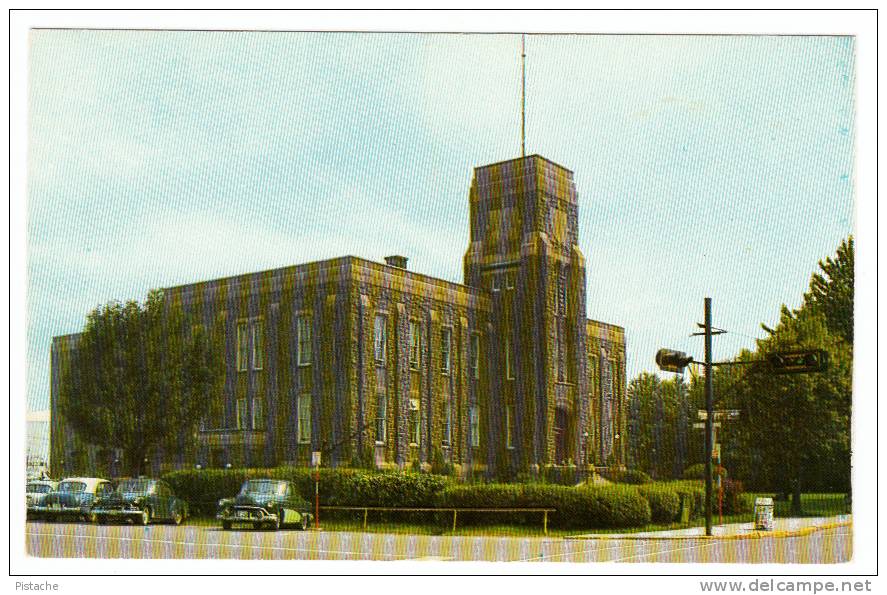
x,y
754,535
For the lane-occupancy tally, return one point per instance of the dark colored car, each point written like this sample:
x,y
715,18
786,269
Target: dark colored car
x,y
141,501
265,503
73,498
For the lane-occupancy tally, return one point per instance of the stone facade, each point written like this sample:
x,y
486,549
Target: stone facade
x,y
366,361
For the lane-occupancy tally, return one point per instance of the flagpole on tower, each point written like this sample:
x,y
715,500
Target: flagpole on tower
x,y
523,95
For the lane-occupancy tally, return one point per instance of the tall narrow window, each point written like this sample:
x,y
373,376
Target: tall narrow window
x,y
304,429
380,337
448,422
494,282
562,292
509,370
258,414
445,339
414,421
509,426
415,342
257,332
509,280
241,414
474,425
381,418
475,356
242,346
304,340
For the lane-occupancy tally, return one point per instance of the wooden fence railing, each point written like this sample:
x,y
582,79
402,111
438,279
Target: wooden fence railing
x,y
455,511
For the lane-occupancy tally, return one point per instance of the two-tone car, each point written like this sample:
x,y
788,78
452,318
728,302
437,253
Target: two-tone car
x,y
142,501
269,503
35,491
73,498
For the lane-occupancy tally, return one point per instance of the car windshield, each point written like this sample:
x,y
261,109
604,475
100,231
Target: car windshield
x,y
72,486
139,486
38,488
264,487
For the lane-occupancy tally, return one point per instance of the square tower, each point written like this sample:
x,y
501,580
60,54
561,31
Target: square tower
x,y
524,250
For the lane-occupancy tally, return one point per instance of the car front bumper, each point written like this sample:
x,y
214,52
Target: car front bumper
x,y
247,515
59,511
118,513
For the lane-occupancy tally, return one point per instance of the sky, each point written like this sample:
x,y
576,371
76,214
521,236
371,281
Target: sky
x,y
705,166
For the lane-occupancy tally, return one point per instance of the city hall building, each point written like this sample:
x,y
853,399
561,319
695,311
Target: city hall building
x,y
365,360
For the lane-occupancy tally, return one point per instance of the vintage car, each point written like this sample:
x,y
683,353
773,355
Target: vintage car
x,y
35,491
142,501
265,503
73,498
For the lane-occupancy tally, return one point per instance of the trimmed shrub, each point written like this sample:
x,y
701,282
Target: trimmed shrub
x,y
576,507
696,471
202,489
631,476
665,503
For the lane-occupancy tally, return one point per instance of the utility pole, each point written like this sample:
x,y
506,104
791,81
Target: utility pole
x,y
709,419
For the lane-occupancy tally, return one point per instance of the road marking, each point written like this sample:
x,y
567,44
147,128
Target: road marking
x,y
210,544
659,552
542,558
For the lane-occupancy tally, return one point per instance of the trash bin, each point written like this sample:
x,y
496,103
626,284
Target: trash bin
x,y
763,514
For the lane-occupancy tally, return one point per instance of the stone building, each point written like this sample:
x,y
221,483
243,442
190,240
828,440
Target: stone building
x,y
366,361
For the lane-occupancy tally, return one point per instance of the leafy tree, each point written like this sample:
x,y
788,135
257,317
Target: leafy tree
x,y
141,378
831,292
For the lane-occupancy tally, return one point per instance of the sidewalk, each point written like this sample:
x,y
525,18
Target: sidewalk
x,y
782,527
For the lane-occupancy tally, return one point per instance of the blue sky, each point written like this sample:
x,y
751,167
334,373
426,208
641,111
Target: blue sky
x,y
719,166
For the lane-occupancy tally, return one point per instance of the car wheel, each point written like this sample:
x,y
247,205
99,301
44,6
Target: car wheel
x,y
177,517
304,522
257,525
226,525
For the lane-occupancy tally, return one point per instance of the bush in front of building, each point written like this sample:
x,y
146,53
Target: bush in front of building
x,y
576,507
203,488
665,502
631,476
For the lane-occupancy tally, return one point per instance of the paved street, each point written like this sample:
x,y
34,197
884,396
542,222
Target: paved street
x,y
164,541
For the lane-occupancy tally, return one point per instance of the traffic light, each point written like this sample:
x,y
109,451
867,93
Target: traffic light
x,y
669,360
798,362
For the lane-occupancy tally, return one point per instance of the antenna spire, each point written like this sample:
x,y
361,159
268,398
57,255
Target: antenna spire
x,y
523,96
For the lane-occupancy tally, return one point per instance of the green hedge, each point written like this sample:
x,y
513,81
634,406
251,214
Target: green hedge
x,y
632,476
665,503
203,488
577,507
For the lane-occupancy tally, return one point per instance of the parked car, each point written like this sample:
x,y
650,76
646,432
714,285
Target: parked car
x,y
35,492
265,502
142,501
73,498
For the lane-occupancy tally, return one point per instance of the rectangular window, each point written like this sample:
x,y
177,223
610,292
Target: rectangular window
x,y
509,426
562,292
445,339
258,415
257,332
241,414
509,280
304,429
381,418
242,346
448,423
303,331
509,371
494,282
380,337
414,422
415,343
474,425
475,356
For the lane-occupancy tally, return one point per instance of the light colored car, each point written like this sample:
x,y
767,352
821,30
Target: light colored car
x,y
73,498
35,491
